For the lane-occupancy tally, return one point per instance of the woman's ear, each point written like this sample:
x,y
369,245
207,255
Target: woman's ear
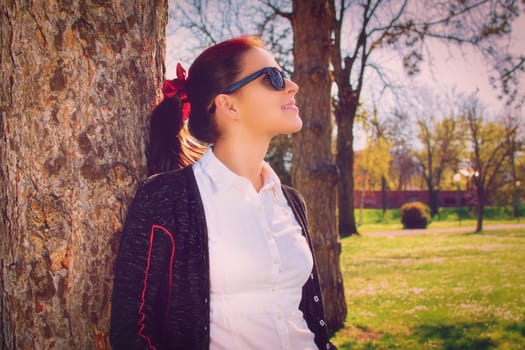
x,y
225,106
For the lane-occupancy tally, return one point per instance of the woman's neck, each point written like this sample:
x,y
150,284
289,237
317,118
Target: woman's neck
x,y
243,158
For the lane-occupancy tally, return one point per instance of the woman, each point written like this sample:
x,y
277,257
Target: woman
x,y
216,255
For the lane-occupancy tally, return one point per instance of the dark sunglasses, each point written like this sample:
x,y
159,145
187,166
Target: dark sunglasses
x,y
275,76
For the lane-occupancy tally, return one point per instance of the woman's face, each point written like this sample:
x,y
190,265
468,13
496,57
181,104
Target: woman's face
x,y
261,109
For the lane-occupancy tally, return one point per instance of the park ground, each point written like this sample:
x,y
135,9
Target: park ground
x,y
441,288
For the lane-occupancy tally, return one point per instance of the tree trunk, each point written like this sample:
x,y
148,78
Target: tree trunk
x,y
314,173
480,209
433,197
383,195
78,81
345,114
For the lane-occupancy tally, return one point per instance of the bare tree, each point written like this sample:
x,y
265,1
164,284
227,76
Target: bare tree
x,y
78,81
517,145
404,166
197,24
491,150
442,144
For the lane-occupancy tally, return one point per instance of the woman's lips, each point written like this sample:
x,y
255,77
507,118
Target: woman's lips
x,y
290,106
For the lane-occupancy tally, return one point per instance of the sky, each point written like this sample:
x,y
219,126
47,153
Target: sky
x,y
466,71
446,70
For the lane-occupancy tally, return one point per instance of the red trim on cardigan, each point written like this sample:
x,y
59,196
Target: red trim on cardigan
x,y
148,263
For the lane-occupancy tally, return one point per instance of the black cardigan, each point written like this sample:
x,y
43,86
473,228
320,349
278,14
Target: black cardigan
x,y
161,288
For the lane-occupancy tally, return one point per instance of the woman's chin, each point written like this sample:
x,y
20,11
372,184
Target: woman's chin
x,y
294,125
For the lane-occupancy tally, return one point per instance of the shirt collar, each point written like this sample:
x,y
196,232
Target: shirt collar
x,y
271,180
223,178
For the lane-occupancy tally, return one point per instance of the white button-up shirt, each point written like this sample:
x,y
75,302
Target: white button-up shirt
x,y
259,261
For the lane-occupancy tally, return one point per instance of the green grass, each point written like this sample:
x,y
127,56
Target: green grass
x,y
441,291
374,221
392,216
434,225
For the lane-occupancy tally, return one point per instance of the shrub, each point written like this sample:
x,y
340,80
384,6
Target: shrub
x,y
415,215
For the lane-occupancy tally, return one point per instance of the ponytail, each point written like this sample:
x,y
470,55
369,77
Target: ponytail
x,y
170,145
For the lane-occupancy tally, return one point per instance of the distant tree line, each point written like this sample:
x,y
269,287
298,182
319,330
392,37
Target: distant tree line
x,y
462,148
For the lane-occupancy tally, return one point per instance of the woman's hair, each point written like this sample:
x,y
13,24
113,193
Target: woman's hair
x,y
170,145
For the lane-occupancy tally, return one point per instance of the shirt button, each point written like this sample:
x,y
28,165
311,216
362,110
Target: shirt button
x,y
322,323
276,262
328,345
316,299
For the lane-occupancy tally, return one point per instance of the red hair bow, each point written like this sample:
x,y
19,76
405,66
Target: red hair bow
x,y
176,87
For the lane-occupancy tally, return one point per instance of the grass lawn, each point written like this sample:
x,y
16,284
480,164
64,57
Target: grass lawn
x,y
373,220
395,226
435,291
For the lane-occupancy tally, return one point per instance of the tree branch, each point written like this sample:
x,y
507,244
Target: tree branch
x,y
278,11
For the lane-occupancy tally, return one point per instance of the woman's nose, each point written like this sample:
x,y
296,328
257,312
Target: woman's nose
x,y
291,86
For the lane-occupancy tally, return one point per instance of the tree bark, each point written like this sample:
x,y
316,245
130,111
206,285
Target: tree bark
x,y
79,79
432,199
345,116
480,209
434,202
314,173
